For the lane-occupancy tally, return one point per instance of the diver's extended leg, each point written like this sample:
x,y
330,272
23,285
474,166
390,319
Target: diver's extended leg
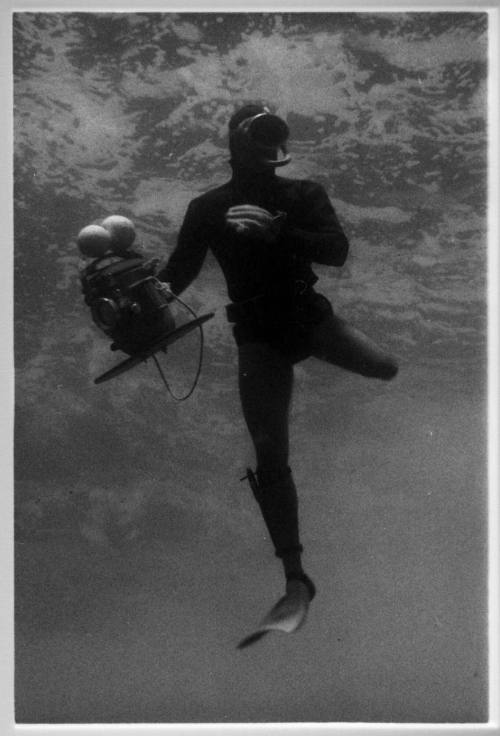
x,y
265,382
277,497
337,342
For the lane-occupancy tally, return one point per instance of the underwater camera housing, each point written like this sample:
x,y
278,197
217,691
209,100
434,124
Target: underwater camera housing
x,y
127,302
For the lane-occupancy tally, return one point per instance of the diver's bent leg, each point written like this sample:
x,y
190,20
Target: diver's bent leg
x,y
265,383
337,342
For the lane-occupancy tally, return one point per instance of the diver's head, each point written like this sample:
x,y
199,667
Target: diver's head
x,y
257,139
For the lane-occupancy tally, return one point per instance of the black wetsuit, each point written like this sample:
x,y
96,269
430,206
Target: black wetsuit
x,y
270,284
278,319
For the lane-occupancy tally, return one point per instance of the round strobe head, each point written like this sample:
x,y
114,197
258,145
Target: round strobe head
x,y
93,241
121,230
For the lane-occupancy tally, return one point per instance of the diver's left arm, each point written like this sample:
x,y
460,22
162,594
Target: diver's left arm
x,y
319,236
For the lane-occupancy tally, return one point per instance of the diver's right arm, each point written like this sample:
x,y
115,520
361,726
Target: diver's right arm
x,y
186,260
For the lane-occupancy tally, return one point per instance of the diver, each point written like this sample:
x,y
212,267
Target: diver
x,y
266,231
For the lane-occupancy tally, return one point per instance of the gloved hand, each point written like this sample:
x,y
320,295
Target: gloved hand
x,y
248,219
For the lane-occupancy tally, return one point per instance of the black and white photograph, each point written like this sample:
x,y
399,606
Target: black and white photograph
x,y
252,339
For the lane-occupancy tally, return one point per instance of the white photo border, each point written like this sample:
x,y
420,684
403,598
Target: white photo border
x,y
7,723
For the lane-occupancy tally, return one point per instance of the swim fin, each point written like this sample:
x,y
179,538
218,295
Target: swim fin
x,y
287,615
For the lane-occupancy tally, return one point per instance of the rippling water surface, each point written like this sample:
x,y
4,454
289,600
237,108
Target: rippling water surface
x,y
127,113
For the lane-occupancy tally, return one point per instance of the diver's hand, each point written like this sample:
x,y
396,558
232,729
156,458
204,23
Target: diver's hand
x,y
248,219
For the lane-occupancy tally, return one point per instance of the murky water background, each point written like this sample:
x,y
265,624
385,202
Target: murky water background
x,y
141,559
